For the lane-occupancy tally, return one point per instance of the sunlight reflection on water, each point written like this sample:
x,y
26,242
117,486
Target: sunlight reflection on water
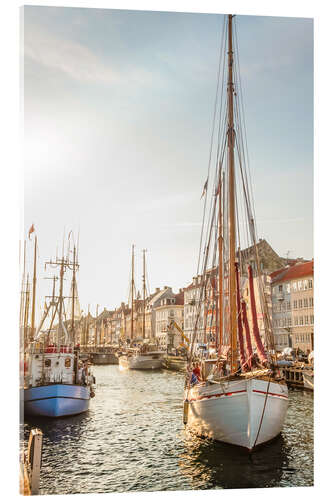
x,y
132,439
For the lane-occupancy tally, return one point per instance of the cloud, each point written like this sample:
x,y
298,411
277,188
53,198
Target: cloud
x,y
77,61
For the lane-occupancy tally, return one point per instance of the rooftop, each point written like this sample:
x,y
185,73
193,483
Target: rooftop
x,y
292,273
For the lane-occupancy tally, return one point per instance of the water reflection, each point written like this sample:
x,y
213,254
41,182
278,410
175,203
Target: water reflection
x,y
211,464
133,439
60,429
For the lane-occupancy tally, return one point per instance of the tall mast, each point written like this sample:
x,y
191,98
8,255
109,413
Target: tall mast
x,y
22,288
26,313
220,244
33,294
96,326
73,295
87,327
231,211
132,293
144,295
61,298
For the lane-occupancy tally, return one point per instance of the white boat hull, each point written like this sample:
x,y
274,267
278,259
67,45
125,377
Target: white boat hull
x,y
145,362
235,411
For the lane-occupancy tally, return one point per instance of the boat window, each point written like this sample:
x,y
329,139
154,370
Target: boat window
x,y
67,362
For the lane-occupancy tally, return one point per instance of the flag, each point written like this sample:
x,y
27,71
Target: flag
x,y
204,189
31,230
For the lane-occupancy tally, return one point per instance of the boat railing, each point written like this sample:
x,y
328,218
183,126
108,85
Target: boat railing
x,y
49,349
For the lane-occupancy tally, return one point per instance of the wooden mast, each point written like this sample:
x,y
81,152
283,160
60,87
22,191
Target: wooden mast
x,y
26,313
231,211
144,295
22,288
96,326
73,296
32,331
132,294
87,327
220,244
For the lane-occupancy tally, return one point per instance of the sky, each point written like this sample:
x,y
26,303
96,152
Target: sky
x,y
118,109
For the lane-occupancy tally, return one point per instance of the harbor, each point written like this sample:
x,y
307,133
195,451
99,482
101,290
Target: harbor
x,y
164,345
133,439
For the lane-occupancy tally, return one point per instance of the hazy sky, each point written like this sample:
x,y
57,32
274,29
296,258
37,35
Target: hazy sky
x,y
118,113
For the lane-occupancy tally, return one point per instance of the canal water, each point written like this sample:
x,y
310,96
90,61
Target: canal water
x,y
133,439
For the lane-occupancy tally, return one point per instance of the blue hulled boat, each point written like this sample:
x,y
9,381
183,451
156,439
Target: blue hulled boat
x,y
56,400
56,382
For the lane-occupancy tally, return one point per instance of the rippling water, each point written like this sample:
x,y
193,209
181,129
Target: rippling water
x,y
133,439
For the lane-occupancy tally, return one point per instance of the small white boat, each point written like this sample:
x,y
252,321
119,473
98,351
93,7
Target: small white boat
x,y
135,359
242,412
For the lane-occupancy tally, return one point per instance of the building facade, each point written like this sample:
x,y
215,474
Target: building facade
x,y
171,308
293,306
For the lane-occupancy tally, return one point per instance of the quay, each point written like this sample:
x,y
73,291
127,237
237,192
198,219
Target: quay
x,y
299,375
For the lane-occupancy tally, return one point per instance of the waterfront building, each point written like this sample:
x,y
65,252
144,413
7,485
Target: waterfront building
x,y
292,298
206,326
171,308
153,302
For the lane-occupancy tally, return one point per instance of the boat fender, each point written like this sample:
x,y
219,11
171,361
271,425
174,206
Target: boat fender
x,y
185,412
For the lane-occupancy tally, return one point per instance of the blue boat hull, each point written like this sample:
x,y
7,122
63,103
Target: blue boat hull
x,y
56,400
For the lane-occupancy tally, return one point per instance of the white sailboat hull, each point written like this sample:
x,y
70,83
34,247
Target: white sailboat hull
x,y
141,362
235,411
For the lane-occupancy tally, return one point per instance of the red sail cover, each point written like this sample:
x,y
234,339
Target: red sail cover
x,y
249,351
239,320
260,348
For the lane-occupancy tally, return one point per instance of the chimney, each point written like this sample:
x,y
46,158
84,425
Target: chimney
x,y
166,287
157,290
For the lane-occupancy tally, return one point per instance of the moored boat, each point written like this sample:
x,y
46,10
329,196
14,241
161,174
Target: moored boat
x,y
137,359
56,382
241,398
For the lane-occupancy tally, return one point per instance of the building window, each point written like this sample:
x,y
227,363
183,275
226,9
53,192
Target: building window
x,y
295,304
311,301
288,306
295,286
300,285
311,319
288,287
280,288
300,303
305,284
289,321
306,320
301,320
296,321
310,284
305,302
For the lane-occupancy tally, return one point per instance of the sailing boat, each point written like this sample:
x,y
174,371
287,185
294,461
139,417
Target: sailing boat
x,y
243,401
143,357
55,383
